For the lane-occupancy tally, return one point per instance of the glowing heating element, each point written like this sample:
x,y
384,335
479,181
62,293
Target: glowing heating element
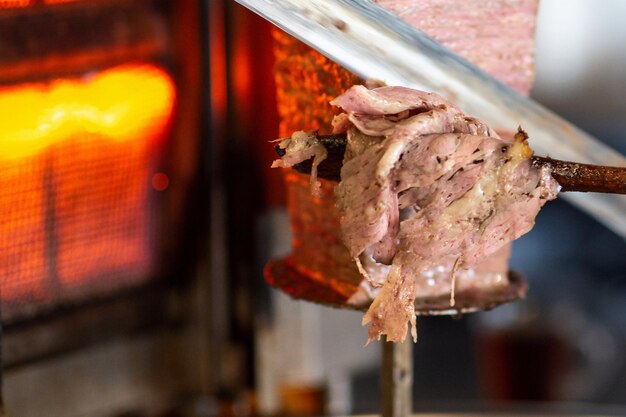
x,y
77,158
10,4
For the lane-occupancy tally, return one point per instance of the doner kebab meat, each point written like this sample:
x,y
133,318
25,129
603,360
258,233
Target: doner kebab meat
x,y
424,189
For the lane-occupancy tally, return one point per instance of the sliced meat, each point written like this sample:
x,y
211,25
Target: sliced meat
x,y
425,186
496,35
441,186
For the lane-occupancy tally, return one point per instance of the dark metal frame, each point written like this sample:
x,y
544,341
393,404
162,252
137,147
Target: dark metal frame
x,y
183,294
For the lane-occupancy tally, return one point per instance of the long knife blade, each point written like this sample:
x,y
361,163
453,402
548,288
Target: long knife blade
x,y
375,44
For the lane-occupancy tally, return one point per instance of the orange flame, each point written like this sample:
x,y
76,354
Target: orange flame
x,y
120,103
9,4
76,163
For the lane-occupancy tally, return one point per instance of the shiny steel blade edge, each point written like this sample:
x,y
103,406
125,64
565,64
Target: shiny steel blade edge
x,y
375,44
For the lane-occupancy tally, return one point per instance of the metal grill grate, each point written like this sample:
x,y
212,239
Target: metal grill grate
x,y
77,208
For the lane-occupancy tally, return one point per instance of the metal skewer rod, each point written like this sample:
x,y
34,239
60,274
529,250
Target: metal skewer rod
x,y
572,176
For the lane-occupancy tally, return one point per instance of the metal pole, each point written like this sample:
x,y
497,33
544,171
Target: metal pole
x,y
396,379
